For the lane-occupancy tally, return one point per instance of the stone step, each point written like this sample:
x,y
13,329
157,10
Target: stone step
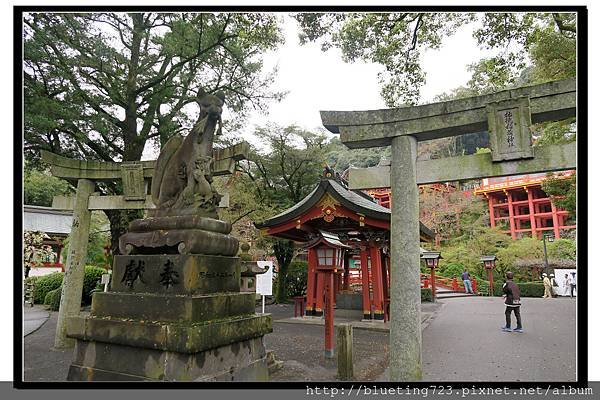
x,y
448,295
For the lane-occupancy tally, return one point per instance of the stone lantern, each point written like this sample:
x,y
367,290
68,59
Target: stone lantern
x,y
489,262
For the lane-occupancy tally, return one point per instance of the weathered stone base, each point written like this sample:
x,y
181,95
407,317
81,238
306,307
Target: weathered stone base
x,y
97,361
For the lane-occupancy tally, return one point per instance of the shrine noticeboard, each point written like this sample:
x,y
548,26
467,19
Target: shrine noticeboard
x,y
264,282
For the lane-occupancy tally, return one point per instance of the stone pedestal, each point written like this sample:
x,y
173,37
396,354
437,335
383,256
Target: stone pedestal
x,y
171,318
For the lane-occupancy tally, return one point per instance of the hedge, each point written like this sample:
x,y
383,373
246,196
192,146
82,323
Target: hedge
x,y
528,289
90,281
44,284
53,299
426,294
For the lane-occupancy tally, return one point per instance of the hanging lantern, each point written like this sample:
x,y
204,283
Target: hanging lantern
x,y
330,252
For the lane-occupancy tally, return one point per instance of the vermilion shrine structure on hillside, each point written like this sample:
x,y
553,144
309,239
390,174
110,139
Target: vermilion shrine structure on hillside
x,y
517,205
520,207
358,221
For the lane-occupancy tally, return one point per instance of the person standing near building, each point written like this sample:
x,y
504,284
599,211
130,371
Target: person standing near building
x,y
573,283
512,300
547,287
554,285
567,284
466,278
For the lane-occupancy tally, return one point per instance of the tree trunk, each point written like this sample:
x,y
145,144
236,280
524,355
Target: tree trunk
x,y
284,252
119,222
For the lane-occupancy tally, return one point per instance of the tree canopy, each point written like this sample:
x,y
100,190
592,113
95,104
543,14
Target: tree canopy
x,y
101,85
398,40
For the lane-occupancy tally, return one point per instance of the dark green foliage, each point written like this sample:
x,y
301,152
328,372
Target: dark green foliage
x,y
426,294
562,249
562,191
90,281
52,299
452,270
531,289
296,278
528,289
39,188
46,283
284,252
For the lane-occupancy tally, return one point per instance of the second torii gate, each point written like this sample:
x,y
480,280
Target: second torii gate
x,y
134,176
506,115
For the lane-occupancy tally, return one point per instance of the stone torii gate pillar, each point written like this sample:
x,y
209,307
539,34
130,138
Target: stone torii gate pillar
x,y
132,174
507,115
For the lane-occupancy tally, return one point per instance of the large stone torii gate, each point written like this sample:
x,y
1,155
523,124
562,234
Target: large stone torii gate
x,y
506,115
134,175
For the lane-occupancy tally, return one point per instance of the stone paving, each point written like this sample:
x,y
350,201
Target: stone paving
x,y
462,341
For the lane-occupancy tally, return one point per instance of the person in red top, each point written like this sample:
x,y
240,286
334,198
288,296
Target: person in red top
x,y
512,296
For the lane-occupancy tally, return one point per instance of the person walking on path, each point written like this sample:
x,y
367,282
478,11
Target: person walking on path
x,y
466,278
573,283
547,287
512,300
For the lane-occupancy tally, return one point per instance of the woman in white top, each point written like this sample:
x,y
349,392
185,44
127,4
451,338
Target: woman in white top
x,y
567,285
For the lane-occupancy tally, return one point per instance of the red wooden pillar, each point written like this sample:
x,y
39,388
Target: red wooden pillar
x,y
531,213
385,266
433,288
329,298
319,294
376,272
492,214
311,282
491,281
364,266
511,215
555,223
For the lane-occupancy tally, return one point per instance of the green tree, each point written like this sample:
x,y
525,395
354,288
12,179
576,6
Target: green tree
x,y
397,40
283,167
40,187
103,86
562,191
284,252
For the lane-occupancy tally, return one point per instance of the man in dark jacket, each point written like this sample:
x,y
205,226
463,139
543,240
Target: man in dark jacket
x,y
512,300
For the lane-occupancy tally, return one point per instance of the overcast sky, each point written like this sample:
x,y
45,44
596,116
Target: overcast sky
x,y
322,81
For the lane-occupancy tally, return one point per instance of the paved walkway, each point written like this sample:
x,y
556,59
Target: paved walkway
x,y
428,311
463,342
33,318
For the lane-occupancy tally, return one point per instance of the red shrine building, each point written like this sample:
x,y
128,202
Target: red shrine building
x,y
520,207
517,205
356,222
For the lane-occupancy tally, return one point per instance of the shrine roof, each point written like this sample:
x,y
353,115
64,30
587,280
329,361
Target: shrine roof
x,y
354,200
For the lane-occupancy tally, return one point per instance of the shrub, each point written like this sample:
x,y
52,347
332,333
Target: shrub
x,y
53,299
531,289
426,294
296,278
528,289
44,284
453,270
90,280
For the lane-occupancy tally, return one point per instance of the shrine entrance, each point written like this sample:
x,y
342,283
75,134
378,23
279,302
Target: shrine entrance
x,y
506,115
334,213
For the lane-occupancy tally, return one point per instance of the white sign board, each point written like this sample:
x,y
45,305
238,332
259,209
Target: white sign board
x,y
264,282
